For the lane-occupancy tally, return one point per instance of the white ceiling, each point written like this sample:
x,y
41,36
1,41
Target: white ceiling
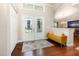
x,y
54,5
58,7
66,10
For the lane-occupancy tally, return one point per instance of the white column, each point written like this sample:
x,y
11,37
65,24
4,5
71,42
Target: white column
x,y
70,38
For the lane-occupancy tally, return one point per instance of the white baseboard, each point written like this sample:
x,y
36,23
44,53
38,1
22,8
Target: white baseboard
x,y
69,45
26,40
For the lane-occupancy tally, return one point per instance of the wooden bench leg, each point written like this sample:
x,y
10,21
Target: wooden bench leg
x,y
61,45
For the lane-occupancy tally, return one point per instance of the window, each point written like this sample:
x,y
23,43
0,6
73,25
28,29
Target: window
x,y
28,27
39,25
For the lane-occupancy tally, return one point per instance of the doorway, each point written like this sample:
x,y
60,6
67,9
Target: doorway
x,y
34,28
76,37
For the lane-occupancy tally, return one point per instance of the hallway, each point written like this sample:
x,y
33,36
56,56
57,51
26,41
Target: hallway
x,y
29,22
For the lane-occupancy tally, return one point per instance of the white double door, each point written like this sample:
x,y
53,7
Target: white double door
x,y
37,28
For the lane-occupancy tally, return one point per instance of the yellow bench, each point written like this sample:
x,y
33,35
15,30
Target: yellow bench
x,y
59,39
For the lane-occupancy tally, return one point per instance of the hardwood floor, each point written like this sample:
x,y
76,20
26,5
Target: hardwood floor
x,y
49,51
17,50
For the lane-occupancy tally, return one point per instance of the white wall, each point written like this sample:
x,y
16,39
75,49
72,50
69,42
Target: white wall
x,y
47,17
13,28
8,35
3,29
70,42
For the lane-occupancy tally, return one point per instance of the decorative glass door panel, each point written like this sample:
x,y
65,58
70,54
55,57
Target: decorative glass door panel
x,y
28,24
39,25
39,28
29,28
